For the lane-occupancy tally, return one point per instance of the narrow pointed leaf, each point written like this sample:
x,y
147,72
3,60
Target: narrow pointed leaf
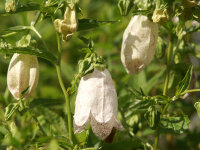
x,y
185,83
32,51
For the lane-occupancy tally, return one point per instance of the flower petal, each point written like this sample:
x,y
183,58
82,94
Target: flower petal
x,y
105,103
79,129
83,104
101,130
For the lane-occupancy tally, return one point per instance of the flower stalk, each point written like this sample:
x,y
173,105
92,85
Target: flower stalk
x,y
58,69
169,55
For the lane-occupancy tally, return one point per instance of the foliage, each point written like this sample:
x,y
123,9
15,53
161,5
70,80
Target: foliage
x,y
158,100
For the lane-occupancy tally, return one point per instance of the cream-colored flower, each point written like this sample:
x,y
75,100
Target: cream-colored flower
x,y
23,73
139,43
10,6
96,103
69,24
160,15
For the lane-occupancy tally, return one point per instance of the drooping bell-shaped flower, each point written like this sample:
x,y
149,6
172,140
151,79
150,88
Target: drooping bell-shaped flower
x,y
96,103
139,43
23,73
69,24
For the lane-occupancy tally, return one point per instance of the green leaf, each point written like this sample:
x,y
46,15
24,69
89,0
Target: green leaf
x,y
141,12
49,117
197,106
153,81
21,8
30,50
45,102
62,141
24,41
160,48
53,145
134,143
175,124
153,117
125,6
18,28
88,42
10,109
86,24
185,83
82,137
89,149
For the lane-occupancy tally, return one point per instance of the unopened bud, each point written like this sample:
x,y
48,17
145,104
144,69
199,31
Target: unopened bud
x,y
23,73
10,6
160,15
139,43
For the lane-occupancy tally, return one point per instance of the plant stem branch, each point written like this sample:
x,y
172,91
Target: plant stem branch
x,y
190,91
169,55
168,68
58,69
67,101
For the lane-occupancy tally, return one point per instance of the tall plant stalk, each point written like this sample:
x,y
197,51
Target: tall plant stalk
x,y
58,69
169,55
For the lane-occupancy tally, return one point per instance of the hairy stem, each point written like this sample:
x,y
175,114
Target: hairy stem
x,y
169,55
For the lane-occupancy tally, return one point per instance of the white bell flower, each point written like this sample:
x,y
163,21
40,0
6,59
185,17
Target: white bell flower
x,y
23,73
139,43
96,103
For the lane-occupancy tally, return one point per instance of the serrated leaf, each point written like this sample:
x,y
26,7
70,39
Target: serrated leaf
x,y
57,123
30,50
175,124
86,24
185,83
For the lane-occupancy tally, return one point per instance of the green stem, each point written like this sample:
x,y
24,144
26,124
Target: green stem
x,y
190,91
58,69
168,68
67,101
169,55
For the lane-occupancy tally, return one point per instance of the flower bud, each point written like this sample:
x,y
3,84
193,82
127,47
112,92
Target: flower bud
x,y
139,44
68,25
96,103
160,15
10,6
23,73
